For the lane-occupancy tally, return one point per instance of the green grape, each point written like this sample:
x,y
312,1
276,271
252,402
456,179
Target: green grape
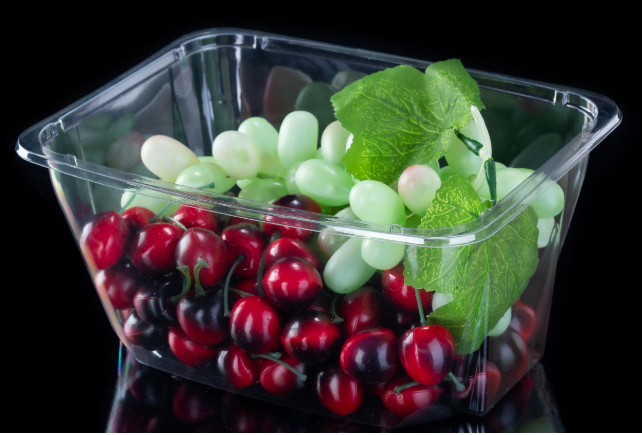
x,y
345,78
502,324
242,183
298,138
264,190
462,160
166,157
266,140
154,204
203,174
124,154
446,172
290,178
545,227
141,169
417,187
236,154
346,271
328,242
382,255
122,126
319,154
373,201
325,182
315,98
207,159
333,143
413,221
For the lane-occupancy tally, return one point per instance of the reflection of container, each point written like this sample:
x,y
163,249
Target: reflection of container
x,y
208,82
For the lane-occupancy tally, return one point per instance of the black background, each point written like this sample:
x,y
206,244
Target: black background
x,y
59,351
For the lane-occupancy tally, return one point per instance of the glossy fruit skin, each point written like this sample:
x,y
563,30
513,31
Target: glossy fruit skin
x,y
410,399
239,369
197,243
427,353
247,285
248,240
286,247
280,381
137,218
104,239
311,337
152,248
509,353
145,335
234,220
361,309
370,356
192,217
402,296
153,301
120,283
338,391
201,317
522,320
192,402
187,350
322,304
481,379
255,326
296,201
292,284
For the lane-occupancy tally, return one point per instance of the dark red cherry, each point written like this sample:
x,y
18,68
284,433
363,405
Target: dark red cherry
x,y
371,355
323,303
376,388
193,403
192,217
152,248
255,326
509,353
311,337
187,350
278,380
481,380
405,402
237,367
292,284
402,296
427,353
402,321
286,247
289,227
120,283
361,309
247,240
153,301
201,317
104,239
235,220
249,285
522,320
137,218
145,335
199,243
338,391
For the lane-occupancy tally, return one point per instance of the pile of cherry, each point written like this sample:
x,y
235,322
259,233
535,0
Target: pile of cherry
x,y
252,303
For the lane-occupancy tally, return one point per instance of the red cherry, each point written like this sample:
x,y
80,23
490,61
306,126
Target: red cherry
x,y
322,304
338,391
137,218
201,317
402,296
509,353
522,320
292,284
192,403
104,239
153,301
235,220
376,388
246,240
371,355
427,353
145,335
255,326
152,248
311,337
197,243
289,227
187,350
237,367
481,380
192,217
278,380
289,248
249,286
120,283
411,399
361,309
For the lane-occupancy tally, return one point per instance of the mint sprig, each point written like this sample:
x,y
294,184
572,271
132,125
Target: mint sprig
x,y
400,117
484,278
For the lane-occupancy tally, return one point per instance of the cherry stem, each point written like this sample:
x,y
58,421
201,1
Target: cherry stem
x,y
471,144
333,310
187,283
197,269
238,261
259,274
400,388
160,213
283,363
173,221
491,178
422,317
241,293
458,385
129,201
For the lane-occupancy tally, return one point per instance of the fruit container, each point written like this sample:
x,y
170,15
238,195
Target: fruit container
x,y
353,329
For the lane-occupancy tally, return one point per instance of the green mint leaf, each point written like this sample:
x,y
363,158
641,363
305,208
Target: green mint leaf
x,y
485,278
401,117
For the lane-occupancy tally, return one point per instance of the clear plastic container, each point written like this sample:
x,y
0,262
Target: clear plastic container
x,y
209,82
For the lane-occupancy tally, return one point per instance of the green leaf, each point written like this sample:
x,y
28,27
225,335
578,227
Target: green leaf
x,y
485,278
401,117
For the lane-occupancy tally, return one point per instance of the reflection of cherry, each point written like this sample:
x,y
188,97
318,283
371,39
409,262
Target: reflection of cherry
x,y
288,227
509,353
408,400
402,296
247,240
201,317
145,335
137,218
481,379
338,391
522,320
152,248
153,388
192,217
187,350
237,367
192,402
255,326
241,414
427,353
286,247
292,284
278,380
153,301
104,239
120,283
371,355
311,337
361,309
199,243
